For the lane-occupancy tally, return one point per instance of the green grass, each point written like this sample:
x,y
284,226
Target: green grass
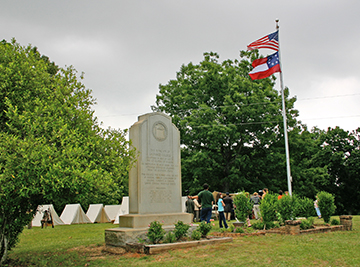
x,y
81,245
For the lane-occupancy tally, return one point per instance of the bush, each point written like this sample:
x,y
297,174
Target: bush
x,y
243,206
307,224
326,205
286,206
204,228
268,208
335,222
239,230
156,232
304,207
181,229
258,225
196,235
170,237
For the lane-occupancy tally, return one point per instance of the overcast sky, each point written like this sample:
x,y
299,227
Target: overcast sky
x,y
127,48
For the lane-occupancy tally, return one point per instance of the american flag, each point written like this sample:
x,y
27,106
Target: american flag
x,y
270,41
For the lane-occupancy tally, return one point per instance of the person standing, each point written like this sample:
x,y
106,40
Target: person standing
x,y
190,207
228,206
255,199
207,200
221,205
197,210
316,206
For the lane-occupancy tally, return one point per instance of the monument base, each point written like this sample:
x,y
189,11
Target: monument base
x,y
143,220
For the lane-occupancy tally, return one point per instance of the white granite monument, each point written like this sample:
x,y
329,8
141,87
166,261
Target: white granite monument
x,y
154,180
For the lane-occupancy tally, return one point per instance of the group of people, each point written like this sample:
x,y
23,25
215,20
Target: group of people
x,y
201,205
207,201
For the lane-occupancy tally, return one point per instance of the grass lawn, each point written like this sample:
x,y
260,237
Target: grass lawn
x,y
82,245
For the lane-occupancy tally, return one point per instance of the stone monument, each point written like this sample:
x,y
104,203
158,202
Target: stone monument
x,y
154,180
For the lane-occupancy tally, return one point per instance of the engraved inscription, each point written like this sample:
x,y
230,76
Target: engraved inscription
x,y
159,175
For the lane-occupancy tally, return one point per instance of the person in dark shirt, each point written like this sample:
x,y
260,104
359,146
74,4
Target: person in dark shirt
x,y
207,200
228,206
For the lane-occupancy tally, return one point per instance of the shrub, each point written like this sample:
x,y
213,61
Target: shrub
x,y
222,230
181,229
286,206
156,232
243,206
268,208
307,224
170,237
304,207
258,225
196,235
204,228
326,205
239,230
335,222
231,228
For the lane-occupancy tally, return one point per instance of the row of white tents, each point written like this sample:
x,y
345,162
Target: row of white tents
x,y
74,214
97,213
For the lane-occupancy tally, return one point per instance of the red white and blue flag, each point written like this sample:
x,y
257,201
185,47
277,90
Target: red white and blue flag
x,y
270,41
264,67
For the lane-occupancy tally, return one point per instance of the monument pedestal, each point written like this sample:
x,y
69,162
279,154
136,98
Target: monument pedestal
x,y
133,227
143,220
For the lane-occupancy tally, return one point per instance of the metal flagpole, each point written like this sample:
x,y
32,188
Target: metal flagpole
x,y
288,170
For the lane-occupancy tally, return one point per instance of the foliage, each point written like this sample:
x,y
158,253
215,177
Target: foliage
x,y
231,228
268,208
226,122
339,152
258,225
196,235
155,233
169,237
307,224
335,222
204,228
286,206
243,206
326,205
239,230
52,147
304,207
181,229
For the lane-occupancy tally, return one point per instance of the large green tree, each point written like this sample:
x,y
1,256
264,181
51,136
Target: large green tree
x,y
227,123
52,148
339,153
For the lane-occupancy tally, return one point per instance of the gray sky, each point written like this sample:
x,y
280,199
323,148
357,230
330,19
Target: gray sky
x,y
127,48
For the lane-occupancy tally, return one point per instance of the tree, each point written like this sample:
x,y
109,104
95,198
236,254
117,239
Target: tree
x,y
52,148
227,123
339,153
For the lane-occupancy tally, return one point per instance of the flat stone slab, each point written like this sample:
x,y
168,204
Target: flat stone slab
x,y
156,248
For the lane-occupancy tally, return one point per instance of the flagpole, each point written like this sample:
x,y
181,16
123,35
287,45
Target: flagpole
x,y
288,170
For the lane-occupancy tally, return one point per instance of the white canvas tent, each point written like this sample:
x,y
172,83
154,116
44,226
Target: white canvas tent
x,y
40,213
96,213
123,210
112,211
74,214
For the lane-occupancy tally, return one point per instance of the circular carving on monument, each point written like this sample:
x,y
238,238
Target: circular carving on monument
x,y
160,131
